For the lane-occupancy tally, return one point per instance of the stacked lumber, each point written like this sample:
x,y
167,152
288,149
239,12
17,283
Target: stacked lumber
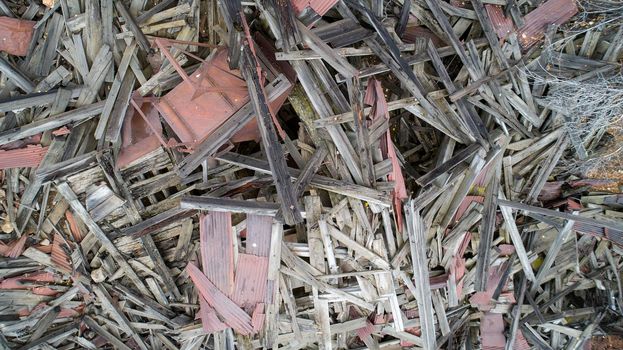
x,y
310,174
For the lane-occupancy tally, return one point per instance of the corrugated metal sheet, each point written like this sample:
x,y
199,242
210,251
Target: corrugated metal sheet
x,y
59,256
257,319
319,6
492,332
195,109
536,22
217,255
366,331
15,35
503,26
209,319
27,157
13,249
251,276
73,226
259,230
520,341
614,236
231,313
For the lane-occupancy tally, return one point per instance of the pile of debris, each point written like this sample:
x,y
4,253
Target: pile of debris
x,y
317,173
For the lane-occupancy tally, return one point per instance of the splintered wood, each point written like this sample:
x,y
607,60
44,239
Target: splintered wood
x,y
311,174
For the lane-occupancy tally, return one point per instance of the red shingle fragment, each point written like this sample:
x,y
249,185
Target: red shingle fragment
x,y
376,98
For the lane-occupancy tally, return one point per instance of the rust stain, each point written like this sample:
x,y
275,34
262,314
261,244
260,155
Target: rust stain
x,y
27,157
15,35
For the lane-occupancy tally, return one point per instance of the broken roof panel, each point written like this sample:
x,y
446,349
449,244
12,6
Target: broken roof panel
x,y
502,25
251,276
217,255
259,229
536,22
27,157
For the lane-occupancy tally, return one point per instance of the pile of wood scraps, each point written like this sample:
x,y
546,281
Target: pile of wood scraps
x,y
334,174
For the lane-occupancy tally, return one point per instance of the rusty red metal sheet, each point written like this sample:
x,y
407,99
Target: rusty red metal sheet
x,y
231,313
536,22
251,276
217,250
210,321
138,138
14,248
492,331
365,331
195,109
413,32
27,157
259,230
15,35
59,256
375,97
502,25
73,226
319,6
